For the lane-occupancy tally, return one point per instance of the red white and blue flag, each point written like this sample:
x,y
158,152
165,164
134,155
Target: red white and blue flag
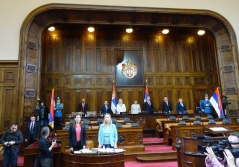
x,y
146,93
216,102
114,100
51,118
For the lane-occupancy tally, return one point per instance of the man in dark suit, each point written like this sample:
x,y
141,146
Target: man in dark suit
x,y
83,107
105,109
166,106
32,131
148,106
181,107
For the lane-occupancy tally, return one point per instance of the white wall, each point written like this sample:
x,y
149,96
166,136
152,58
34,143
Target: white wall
x,y
13,12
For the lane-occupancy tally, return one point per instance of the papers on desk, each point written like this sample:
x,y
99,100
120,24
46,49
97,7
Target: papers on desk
x,y
99,150
117,150
77,152
218,129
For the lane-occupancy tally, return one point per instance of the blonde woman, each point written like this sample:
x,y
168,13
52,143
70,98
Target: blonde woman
x,y
120,108
107,136
135,108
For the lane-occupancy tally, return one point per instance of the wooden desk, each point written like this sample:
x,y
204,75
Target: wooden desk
x,y
93,160
130,138
32,151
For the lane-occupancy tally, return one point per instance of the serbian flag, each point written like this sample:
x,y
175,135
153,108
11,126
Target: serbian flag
x,y
216,102
114,101
146,93
51,119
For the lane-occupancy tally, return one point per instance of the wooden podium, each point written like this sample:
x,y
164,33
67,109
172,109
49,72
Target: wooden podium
x,y
32,151
93,160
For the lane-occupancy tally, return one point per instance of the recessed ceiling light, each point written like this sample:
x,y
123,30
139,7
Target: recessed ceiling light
x,y
201,32
51,28
91,29
129,30
165,31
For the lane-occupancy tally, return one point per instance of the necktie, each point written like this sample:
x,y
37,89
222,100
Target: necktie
x,y
31,128
83,107
149,103
167,103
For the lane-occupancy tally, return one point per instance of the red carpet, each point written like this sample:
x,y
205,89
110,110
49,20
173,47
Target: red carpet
x,y
152,139
158,148
20,160
152,164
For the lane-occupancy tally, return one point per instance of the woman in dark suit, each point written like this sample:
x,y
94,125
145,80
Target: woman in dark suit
x,y
181,107
76,134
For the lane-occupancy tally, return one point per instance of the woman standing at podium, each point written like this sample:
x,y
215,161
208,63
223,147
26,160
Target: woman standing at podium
x,y
107,136
76,134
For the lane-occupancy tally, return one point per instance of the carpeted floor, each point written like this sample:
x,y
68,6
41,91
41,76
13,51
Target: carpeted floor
x,y
152,164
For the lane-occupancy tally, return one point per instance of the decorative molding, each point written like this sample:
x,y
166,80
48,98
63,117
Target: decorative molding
x,y
32,45
229,68
30,68
225,48
30,93
233,112
231,90
121,139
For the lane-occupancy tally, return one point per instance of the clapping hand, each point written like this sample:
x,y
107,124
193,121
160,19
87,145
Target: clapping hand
x,y
229,157
210,154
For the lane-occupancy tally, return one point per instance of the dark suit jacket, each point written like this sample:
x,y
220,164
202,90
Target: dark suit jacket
x,y
46,112
104,111
181,109
35,131
86,108
166,108
148,109
72,136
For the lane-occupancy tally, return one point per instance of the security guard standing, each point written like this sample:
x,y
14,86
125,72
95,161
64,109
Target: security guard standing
x,y
205,105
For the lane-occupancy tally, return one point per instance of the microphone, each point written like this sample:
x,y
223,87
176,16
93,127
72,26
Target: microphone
x,y
53,136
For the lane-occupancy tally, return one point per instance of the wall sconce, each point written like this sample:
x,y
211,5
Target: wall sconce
x,y
129,30
165,31
201,32
52,28
91,29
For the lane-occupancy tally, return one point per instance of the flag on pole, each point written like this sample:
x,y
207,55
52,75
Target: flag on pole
x,y
114,101
216,102
146,93
51,119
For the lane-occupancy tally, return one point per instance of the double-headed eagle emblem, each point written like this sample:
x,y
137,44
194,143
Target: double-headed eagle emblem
x,y
129,69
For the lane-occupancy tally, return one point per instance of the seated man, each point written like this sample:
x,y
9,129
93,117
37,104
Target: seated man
x,y
105,109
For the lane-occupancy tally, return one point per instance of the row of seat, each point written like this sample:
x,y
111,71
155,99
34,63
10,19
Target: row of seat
x,y
118,125
210,121
100,121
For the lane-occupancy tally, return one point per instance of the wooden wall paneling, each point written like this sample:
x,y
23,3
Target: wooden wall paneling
x,y
9,107
89,99
148,62
98,63
67,101
93,102
78,59
78,94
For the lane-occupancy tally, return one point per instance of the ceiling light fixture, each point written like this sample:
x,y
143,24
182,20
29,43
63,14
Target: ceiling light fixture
x,y
91,29
201,32
129,30
51,28
165,31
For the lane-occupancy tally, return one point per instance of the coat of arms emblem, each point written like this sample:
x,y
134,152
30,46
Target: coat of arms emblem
x,y
129,69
